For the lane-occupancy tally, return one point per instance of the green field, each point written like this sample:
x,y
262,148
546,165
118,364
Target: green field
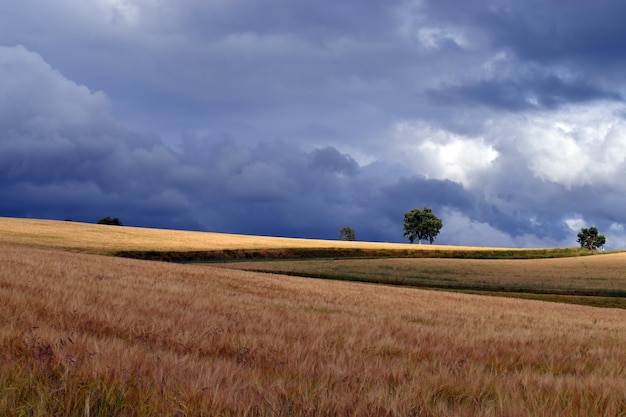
x,y
596,281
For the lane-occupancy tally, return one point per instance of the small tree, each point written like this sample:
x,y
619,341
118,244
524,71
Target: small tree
x,y
110,221
590,238
347,233
421,224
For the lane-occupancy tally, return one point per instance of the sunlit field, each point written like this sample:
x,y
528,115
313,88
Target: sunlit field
x,y
91,335
100,336
96,238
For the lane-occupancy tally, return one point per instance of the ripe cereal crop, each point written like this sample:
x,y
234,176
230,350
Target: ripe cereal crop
x,y
93,335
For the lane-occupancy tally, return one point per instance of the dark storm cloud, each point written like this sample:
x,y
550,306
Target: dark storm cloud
x,y
589,32
560,30
520,94
297,118
331,159
70,161
268,69
429,193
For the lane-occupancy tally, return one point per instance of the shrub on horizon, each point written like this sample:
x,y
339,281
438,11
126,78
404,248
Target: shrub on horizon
x,y
110,221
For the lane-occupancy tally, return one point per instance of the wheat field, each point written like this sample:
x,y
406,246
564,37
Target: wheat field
x,y
89,335
105,239
603,273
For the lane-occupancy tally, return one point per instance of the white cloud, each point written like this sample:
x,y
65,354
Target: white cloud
x,y
575,223
575,145
37,97
440,154
571,146
458,159
434,37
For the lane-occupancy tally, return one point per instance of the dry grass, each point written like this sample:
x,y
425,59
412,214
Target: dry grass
x,y
90,335
105,239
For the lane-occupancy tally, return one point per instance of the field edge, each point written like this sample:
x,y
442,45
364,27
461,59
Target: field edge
x,y
229,255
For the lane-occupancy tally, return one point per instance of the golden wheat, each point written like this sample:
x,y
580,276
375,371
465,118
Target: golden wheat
x,y
97,238
91,335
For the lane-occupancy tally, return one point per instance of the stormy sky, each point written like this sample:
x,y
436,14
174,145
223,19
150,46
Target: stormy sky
x,y
295,118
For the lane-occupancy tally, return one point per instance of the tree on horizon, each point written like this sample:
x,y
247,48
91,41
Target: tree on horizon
x,y
347,233
110,221
590,238
421,224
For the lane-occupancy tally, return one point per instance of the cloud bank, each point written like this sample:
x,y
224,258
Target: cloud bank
x,y
297,119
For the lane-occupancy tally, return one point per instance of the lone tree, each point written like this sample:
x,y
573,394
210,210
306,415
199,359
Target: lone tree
x,y
347,233
111,221
421,224
590,239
